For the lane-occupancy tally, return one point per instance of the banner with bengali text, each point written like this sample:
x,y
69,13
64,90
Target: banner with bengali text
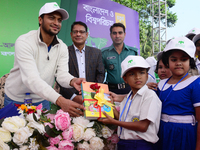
x,y
99,15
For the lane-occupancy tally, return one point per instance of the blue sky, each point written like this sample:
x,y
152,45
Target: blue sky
x,y
188,17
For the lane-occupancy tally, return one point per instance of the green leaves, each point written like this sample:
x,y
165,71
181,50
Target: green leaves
x,y
52,132
41,139
1,121
54,109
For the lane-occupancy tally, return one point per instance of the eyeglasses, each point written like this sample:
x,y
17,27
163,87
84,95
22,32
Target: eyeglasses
x,y
76,31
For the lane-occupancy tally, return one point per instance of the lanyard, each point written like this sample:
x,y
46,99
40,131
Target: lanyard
x,y
172,87
126,112
151,76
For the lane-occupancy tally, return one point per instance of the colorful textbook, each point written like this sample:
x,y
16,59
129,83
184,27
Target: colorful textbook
x,y
95,100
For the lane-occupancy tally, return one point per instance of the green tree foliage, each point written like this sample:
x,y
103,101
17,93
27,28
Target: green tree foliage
x,y
144,9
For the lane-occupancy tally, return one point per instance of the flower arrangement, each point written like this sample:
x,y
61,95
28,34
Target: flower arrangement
x,y
36,128
93,135
24,131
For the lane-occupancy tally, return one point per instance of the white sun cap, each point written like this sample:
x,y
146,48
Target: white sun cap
x,y
181,43
193,31
132,61
152,61
51,7
196,38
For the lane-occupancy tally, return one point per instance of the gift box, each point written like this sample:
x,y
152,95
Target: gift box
x,y
90,96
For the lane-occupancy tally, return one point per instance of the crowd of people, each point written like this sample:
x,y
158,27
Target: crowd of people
x,y
153,115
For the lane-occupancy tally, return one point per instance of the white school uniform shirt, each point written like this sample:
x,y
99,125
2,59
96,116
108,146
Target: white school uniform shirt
x,y
145,105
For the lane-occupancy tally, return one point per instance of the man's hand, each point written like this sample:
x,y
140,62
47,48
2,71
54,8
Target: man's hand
x,y
73,108
76,83
78,99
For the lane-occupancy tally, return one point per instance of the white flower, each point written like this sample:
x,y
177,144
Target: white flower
x,y
39,112
3,146
5,135
32,123
38,126
12,124
30,118
25,147
33,145
88,134
90,124
106,132
21,136
78,132
81,121
96,143
84,146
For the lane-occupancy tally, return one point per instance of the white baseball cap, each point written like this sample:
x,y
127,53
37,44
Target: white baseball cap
x,y
151,61
51,7
193,31
196,38
132,61
181,43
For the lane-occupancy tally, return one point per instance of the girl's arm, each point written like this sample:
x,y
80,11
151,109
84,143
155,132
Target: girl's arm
x,y
140,126
197,111
116,97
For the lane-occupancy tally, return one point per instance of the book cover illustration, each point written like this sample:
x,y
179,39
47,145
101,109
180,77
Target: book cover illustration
x,y
96,100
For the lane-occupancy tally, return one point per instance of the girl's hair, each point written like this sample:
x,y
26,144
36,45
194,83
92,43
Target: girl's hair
x,y
156,70
165,59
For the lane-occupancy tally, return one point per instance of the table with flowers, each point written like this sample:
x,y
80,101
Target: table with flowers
x,y
27,127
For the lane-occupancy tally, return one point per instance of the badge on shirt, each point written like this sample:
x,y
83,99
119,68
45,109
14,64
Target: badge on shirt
x,y
135,118
111,66
111,57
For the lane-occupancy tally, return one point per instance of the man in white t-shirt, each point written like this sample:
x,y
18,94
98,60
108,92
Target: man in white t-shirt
x,y
40,57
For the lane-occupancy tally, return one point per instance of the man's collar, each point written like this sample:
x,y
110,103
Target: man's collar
x,y
78,49
124,47
54,42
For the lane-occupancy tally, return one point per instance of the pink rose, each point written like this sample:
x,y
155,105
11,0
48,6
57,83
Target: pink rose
x,y
51,117
62,120
67,134
55,140
65,145
51,148
115,138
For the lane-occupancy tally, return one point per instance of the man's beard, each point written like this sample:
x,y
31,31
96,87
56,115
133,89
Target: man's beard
x,y
48,31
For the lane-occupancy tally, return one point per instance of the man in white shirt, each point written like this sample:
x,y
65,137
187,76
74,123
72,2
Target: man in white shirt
x,y
84,61
40,57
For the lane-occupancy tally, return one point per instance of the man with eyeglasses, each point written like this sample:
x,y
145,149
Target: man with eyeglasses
x,y
113,56
84,61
